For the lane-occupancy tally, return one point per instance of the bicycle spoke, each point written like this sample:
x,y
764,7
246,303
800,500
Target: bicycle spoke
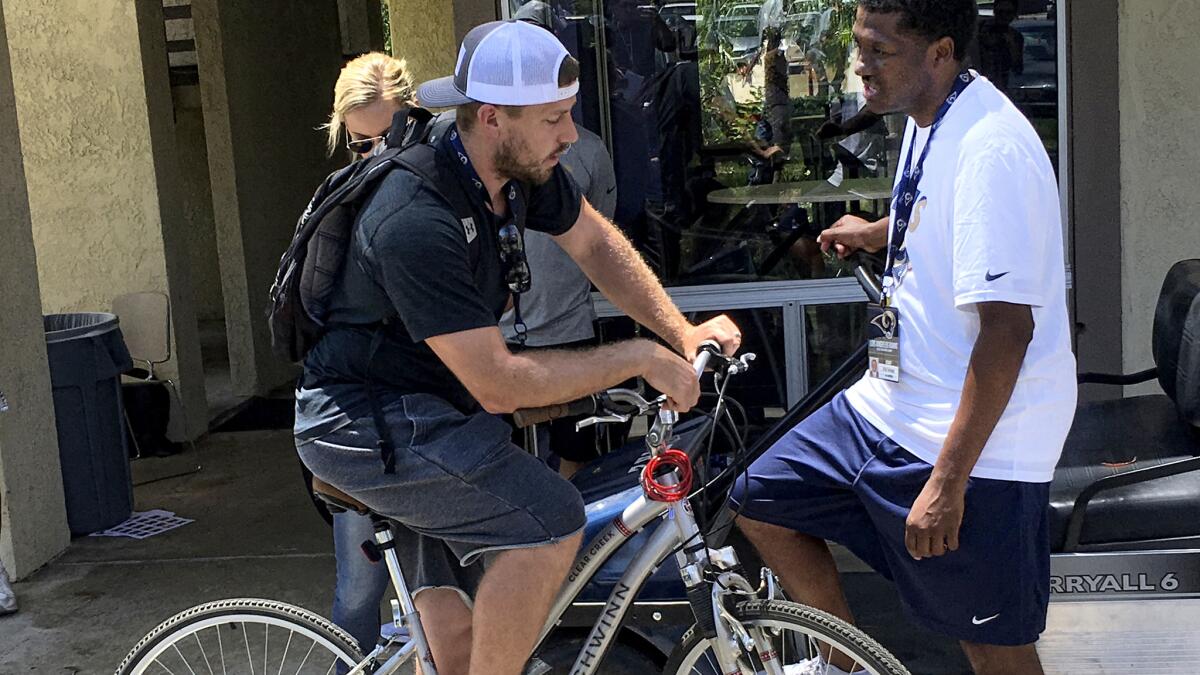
x,y
283,659
266,645
221,647
310,648
332,666
182,659
249,659
203,653
164,666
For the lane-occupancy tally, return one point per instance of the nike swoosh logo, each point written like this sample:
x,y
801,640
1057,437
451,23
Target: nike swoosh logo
x,y
992,277
977,621
610,190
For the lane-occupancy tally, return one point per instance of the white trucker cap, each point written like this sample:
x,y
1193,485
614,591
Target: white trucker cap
x,y
502,63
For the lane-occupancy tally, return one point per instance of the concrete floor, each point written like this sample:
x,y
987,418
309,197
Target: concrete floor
x,y
255,534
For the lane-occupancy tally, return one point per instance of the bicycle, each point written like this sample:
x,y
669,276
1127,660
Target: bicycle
x,y
740,629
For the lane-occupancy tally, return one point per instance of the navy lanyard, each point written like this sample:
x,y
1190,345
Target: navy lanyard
x,y
515,266
905,195
516,204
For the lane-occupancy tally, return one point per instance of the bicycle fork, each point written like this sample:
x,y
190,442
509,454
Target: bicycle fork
x,y
707,596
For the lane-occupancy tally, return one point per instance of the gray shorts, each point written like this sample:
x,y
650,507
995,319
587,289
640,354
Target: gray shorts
x,y
461,487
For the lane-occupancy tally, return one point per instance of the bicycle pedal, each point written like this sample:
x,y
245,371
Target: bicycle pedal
x,y
536,666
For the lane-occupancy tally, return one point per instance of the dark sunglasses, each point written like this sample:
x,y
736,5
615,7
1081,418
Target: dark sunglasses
x,y
363,145
512,259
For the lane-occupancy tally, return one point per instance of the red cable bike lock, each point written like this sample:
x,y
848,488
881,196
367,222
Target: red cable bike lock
x,y
669,459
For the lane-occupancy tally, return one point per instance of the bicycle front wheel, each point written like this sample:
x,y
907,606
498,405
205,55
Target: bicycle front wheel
x,y
243,637
802,639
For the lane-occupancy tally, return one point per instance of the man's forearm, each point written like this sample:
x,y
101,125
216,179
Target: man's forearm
x,y
540,377
621,274
991,376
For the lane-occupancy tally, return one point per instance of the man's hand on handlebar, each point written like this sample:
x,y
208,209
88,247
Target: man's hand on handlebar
x,y
721,330
667,372
851,233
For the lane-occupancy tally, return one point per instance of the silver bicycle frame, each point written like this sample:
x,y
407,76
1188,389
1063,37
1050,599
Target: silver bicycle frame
x,y
639,513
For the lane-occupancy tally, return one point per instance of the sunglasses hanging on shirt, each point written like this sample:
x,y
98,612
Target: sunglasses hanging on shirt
x,y
513,263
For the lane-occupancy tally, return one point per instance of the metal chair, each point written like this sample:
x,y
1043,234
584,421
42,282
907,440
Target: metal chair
x,y
146,325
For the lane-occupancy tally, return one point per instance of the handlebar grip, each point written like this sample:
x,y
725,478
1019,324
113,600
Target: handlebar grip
x,y
868,281
526,417
703,354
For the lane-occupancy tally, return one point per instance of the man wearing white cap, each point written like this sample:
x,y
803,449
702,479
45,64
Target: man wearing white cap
x,y
441,282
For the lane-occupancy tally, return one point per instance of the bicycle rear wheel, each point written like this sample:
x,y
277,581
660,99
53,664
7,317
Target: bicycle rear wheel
x,y
797,634
243,636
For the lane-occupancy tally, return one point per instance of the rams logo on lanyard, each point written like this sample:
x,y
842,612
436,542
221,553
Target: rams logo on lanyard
x,y
886,323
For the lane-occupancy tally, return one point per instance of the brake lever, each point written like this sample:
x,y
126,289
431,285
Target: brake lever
x,y
600,419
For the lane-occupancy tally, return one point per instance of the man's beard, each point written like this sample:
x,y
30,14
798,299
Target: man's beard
x,y
509,164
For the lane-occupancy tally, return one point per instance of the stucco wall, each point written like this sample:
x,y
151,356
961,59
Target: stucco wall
x,y
197,202
267,70
1160,116
423,34
33,520
83,118
97,133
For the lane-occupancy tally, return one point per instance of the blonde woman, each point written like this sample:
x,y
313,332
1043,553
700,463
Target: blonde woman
x,y
370,89
368,92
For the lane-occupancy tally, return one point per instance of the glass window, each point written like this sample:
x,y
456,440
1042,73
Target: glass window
x,y
738,129
1017,50
738,132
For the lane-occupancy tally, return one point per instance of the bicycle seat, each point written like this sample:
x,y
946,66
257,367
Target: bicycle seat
x,y
1115,437
337,500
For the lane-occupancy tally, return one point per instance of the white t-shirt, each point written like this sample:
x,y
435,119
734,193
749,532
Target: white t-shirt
x,y
986,227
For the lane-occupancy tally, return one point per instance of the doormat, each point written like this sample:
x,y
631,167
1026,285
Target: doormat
x,y
261,413
143,524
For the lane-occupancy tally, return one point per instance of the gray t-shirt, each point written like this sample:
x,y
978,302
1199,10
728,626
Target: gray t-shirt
x,y
557,309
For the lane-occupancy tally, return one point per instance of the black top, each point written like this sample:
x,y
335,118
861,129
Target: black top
x,y
410,260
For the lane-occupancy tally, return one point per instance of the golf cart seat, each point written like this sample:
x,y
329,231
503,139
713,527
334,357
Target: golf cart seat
x,y
1129,477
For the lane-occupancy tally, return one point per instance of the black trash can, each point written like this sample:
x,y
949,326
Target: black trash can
x,y
87,355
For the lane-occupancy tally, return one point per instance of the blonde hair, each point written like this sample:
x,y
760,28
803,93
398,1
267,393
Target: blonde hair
x,y
363,81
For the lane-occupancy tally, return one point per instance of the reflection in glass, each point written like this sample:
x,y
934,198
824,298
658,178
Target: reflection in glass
x,y
1017,50
765,385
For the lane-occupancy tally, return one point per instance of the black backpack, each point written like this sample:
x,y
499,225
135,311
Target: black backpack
x,y
311,267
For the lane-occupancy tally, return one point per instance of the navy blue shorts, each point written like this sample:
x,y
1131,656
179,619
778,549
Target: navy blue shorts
x,y
836,477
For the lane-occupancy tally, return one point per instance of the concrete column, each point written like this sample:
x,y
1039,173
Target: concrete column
x,y
33,516
426,33
95,114
267,70
361,26
1160,111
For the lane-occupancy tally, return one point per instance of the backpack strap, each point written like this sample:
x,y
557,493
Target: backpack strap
x,y
387,449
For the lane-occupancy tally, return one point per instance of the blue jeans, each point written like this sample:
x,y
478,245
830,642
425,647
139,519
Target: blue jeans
x,y
360,584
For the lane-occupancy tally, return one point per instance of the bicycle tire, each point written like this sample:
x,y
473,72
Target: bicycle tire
x,y
805,620
186,628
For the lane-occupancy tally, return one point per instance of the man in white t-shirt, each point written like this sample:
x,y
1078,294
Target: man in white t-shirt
x,y
934,468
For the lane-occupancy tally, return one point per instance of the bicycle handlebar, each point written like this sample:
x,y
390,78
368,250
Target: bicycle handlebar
x,y
526,417
591,405
866,279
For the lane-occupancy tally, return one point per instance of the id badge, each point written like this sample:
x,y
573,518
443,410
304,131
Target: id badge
x,y
883,343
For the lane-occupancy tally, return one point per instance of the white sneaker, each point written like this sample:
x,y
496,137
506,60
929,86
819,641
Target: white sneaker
x,y
8,599
816,666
